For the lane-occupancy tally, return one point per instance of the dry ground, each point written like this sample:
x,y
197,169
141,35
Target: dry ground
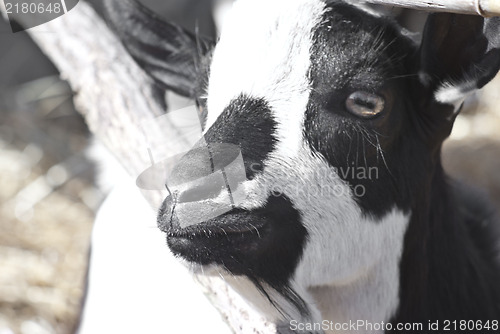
x,y
47,202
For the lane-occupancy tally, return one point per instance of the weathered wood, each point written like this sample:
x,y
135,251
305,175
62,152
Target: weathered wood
x,y
117,99
477,7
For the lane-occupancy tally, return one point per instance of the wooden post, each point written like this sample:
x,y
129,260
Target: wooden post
x,y
475,7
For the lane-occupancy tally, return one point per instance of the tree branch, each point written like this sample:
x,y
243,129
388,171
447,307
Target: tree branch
x,y
477,7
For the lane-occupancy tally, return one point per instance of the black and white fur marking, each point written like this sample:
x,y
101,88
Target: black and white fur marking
x,y
311,233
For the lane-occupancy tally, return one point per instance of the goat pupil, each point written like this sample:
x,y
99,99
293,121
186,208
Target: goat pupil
x,y
364,104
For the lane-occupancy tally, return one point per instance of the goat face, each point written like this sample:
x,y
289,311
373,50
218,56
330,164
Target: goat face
x,y
339,119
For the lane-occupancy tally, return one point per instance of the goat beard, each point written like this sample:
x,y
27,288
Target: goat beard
x,y
289,295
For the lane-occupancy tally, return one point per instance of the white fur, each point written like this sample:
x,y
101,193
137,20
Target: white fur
x,y
264,52
452,94
371,295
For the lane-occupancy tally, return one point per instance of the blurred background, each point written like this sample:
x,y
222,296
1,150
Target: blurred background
x,y
47,195
48,186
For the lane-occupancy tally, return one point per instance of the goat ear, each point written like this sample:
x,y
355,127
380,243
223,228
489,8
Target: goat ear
x,y
459,54
168,53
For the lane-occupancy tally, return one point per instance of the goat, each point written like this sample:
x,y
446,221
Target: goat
x,y
313,94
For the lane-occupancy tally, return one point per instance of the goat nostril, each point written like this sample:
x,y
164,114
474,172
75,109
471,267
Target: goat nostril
x,y
199,192
166,215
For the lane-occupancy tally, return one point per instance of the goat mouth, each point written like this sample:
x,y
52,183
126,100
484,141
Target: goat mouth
x,y
264,243
215,228
226,240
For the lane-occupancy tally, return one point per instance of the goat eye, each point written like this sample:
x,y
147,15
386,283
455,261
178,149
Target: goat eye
x,y
364,104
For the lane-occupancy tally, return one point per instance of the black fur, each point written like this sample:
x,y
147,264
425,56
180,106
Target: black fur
x,y
248,123
450,268
169,53
244,242
460,46
377,63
